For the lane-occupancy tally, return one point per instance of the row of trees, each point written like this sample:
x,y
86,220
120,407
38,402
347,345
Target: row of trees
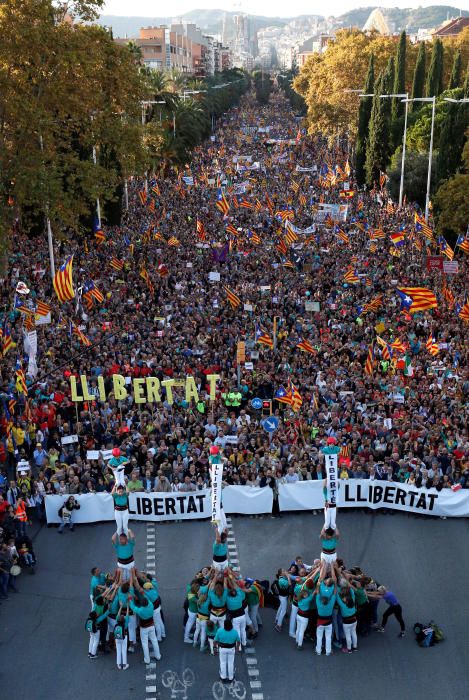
x,y
263,85
68,90
375,123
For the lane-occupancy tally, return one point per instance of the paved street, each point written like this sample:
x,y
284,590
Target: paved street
x,y
44,624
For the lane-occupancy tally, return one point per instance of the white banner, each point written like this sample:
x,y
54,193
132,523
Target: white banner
x,y
98,507
363,493
216,475
247,500
331,477
310,229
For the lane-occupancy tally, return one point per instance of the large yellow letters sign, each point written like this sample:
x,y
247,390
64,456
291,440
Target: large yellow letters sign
x,y
145,389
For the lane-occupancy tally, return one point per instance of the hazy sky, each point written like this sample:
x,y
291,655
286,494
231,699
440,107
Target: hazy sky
x,y
270,8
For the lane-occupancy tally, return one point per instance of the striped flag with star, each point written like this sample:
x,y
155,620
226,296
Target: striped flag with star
x,y
282,396
222,203
200,228
398,345
63,281
295,396
306,346
42,308
263,337
463,312
81,336
351,277
91,292
422,226
253,237
232,297
370,361
232,230
432,346
417,298
445,247
463,243
173,242
145,276
290,236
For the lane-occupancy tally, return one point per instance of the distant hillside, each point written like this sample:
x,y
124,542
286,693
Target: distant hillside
x,y
211,20
410,19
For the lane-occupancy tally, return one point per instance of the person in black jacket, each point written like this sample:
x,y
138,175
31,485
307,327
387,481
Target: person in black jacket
x,y
66,511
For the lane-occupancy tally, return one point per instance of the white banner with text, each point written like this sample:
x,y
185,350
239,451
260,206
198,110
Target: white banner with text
x,y
363,493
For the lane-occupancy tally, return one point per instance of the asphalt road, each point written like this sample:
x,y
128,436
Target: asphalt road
x,y
43,644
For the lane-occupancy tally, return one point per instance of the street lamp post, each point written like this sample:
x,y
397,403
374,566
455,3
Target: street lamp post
x,y
404,138
430,150
49,228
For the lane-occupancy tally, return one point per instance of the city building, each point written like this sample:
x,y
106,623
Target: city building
x,y
452,27
183,47
377,22
315,44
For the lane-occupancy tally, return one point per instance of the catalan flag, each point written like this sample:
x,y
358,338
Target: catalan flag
x,y
201,232
377,234
263,337
42,309
269,203
222,203
449,296
345,454
463,243
81,336
386,350
285,214
91,292
233,298
432,346
290,236
258,206
398,346
142,195
351,277
422,226
374,305
289,265
7,340
145,276
295,186
282,247
370,361
253,237
415,299
445,248
63,281
245,204
383,178
117,264
302,200
173,242
342,235
21,386
295,396
463,312
155,189
158,237
232,230
306,346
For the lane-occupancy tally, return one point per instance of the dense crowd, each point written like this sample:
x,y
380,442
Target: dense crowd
x,y
162,317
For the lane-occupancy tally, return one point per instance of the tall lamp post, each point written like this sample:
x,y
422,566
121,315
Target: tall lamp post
x,y
404,137
430,150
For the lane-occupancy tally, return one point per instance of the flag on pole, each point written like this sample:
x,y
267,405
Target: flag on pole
x,y
416,299
463,242
295,396
432,347
369,364
263,337
63,281
282,396
306,346
233,298
81,336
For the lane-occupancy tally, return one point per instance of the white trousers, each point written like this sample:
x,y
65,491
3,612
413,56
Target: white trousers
x,y
329,517
220,621
350,631
326,632
122,521
121,651
255,617
132,629
148,634
293,616
191,620
111,623
94,641
220,565
158,622
200,630
301,625
281,610
119,475
222,524
239,624
329,558
227,658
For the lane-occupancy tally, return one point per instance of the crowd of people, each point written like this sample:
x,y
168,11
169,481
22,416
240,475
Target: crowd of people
x,y
399,415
